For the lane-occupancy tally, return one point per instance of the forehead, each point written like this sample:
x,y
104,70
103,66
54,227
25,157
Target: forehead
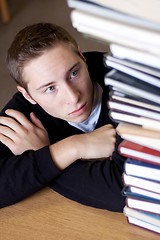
x,y
53,61
60,53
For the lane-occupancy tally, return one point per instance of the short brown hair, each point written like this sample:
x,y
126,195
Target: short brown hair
x,y
31,42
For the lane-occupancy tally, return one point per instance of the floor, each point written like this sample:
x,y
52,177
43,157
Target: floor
x,y
24,12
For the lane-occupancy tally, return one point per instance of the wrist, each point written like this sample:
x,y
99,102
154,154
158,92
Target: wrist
x,y
65,152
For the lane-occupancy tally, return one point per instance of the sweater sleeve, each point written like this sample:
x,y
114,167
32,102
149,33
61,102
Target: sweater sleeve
x,y
23,175
94,183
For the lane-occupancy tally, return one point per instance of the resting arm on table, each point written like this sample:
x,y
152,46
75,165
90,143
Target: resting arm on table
x,y
30,165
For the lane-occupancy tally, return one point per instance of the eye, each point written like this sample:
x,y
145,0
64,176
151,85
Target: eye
x,y
50,89
74,74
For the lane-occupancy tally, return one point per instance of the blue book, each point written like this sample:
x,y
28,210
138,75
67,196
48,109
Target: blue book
x,y
138,193
125,83
142,219
144,224
142,205
144,216
142,169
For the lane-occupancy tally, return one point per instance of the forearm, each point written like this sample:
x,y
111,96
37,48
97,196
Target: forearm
x,y
24,174
65,152
94,145
94,183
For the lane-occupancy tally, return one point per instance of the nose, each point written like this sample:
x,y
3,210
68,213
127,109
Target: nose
x,y
71,94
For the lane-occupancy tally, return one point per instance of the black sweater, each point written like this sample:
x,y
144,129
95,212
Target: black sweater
x,y
97,183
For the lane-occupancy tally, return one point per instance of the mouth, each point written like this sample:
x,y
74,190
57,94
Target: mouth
x,y
79,111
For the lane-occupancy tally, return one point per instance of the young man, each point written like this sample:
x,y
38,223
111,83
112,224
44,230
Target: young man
x,y
56,130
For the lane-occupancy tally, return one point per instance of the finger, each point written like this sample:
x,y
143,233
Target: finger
x,y
10,123
20,117
7,132
6,141
109,129
9,143
109,126
36,121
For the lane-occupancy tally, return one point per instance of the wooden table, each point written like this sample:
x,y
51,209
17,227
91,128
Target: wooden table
x,y
47,215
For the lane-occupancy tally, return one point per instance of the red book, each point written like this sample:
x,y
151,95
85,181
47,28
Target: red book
x,y
139,152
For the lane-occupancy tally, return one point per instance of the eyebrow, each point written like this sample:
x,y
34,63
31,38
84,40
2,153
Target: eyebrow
x,y
53,82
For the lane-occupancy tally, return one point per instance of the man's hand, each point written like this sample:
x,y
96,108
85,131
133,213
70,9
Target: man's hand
x,y
98,144
19,134
94,145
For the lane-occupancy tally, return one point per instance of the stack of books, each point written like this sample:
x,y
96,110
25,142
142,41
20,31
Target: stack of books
x,y
141,177
133,37
102,20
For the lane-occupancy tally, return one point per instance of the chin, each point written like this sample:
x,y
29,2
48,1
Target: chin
x,y
81,119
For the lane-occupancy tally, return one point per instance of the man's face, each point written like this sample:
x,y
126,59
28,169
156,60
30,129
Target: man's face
x,y
60,83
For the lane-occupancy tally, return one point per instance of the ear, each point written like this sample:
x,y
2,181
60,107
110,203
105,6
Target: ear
x,y
79,50
26,95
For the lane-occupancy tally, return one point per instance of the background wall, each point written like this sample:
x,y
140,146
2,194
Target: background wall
x,y
24,12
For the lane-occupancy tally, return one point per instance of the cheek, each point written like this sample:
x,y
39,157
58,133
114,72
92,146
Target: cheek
x,y
51,109
45,102
85,81
88,87
52,106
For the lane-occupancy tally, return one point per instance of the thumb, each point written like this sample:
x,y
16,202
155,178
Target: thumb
x,y
36,121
